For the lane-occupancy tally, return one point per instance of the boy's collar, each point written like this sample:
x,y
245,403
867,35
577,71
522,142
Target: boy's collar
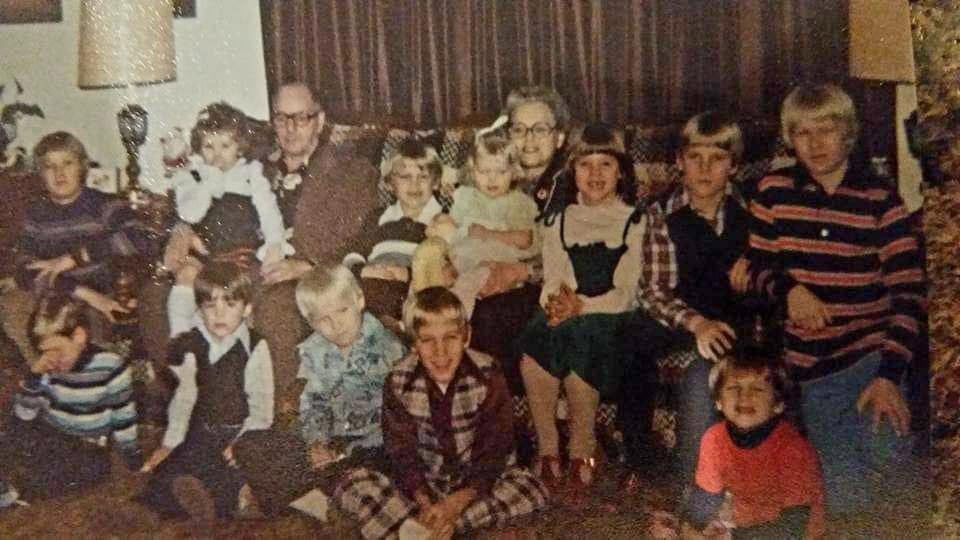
x,y
366,322
858,176
242,334
752,438
467,367
678,198
395,213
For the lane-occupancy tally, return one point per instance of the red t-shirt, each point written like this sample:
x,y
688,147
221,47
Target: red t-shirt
x,y
780,473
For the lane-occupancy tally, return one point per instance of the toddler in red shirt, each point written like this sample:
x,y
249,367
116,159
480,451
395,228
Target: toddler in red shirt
x,y
756,456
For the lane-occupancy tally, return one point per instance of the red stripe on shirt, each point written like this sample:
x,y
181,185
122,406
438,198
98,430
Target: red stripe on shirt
x,y
822,215
836,279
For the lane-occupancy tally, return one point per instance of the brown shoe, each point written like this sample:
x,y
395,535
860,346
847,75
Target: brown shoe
x,y
195,500
548,468
632,483
580,476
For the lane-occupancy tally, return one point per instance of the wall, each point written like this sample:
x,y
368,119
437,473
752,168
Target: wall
x,y
219,57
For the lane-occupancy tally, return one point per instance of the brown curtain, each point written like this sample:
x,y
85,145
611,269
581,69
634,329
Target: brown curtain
x,y
646,61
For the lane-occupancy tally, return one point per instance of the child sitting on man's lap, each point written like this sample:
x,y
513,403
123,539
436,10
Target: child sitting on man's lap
x,y
757,456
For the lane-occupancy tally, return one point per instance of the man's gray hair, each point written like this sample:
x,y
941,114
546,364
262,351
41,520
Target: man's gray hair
x,y
295,84
539,94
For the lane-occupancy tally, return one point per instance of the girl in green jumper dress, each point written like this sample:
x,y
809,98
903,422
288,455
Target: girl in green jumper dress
x,y
591,260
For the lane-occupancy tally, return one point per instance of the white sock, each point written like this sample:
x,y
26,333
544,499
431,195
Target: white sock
x,y
412,529
313,504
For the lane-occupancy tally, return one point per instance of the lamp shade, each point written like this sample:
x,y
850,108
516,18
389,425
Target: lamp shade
x,y
881,45
126,42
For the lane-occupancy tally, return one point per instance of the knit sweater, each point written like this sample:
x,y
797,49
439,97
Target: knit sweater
x,y
92,400
94,229
854,250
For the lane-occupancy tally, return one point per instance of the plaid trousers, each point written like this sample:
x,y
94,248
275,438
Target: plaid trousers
x,y
380,507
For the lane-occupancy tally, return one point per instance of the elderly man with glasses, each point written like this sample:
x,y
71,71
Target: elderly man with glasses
x,y
323,195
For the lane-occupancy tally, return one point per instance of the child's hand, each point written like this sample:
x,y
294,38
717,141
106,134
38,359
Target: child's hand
x,y
273,254
443,219
389,272
883,398
320,456
51,268
479,232
228,456
156,458
714,338
52,361
182,241
187,274
100,302
441,517
740,275
806,310
562,305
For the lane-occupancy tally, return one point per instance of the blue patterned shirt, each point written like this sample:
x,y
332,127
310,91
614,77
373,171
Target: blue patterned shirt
x,y
340,404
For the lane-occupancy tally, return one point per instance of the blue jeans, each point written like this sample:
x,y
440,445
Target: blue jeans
x,y
696,413
861,469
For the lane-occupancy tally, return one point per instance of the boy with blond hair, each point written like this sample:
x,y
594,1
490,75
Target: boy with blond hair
x,y
343,365
448,432
69,244
833,243
691,237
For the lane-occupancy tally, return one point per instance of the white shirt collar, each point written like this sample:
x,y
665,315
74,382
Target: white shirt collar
x,y
219,348
427,213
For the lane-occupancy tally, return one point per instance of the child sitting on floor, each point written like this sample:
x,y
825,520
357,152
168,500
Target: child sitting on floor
x,y
448,432
490,220
343,365
224,196
225,388
757,456
76,397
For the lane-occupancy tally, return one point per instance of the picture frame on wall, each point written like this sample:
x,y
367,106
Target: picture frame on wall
x,y
31,11
184,8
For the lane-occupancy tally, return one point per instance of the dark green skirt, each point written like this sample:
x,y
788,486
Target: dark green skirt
x,y
589,345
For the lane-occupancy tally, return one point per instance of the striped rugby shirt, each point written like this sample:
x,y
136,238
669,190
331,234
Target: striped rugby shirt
x,y
854,250
92,400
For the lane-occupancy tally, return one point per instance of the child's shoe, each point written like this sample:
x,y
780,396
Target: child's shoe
x,y
547,469
195,500
579,480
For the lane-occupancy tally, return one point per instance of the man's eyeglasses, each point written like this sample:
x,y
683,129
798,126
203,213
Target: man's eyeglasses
x,y
299,120
539,130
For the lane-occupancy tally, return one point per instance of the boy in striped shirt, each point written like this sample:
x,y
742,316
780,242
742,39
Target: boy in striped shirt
x,y
832,241
76,398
